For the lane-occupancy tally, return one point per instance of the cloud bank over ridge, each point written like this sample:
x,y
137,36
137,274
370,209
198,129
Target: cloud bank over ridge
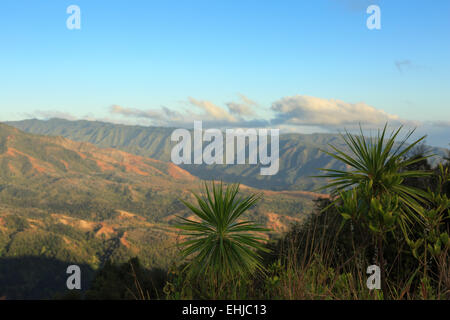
x,y
298,113
298,110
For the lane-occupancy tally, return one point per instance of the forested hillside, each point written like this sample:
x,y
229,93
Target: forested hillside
x,y
300,155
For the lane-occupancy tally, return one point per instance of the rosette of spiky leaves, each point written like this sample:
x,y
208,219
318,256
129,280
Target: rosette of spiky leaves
x,y
378,169
221,244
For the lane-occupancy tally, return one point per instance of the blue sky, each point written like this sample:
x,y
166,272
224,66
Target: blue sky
x,y
303,65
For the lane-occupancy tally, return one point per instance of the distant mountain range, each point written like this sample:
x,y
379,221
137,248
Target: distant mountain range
x,y
300,154
73,202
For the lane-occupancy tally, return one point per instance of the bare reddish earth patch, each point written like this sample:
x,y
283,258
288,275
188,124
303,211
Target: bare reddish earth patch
x,y
107,158
135,169
276,223
77,223
82,155
125,215
103,165
10,152
66,165
33,161
13,169
178,173
124,241
137,165
107,230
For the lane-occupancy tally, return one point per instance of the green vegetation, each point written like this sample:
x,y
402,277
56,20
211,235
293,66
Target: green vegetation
x,y
392,209
372,194
114,214
69,202
222,246
300,154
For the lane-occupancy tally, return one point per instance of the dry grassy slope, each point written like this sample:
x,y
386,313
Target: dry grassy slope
x,y
25,154
79,202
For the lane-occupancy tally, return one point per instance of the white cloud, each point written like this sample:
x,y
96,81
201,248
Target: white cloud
x,y
151,114
313,111
48,114
240,109
300,110
234,115
300,113
244,109
212,111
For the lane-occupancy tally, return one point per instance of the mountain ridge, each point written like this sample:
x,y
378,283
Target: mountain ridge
x,y
300,154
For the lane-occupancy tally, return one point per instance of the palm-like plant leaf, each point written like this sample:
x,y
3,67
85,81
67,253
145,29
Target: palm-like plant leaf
x,y
220,244
376,163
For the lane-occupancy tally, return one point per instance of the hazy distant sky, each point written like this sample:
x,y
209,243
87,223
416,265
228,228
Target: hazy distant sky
x,y
303,65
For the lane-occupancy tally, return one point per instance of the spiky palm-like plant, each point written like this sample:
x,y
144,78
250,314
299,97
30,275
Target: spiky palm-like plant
x,y
377,167
220,244
371,193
